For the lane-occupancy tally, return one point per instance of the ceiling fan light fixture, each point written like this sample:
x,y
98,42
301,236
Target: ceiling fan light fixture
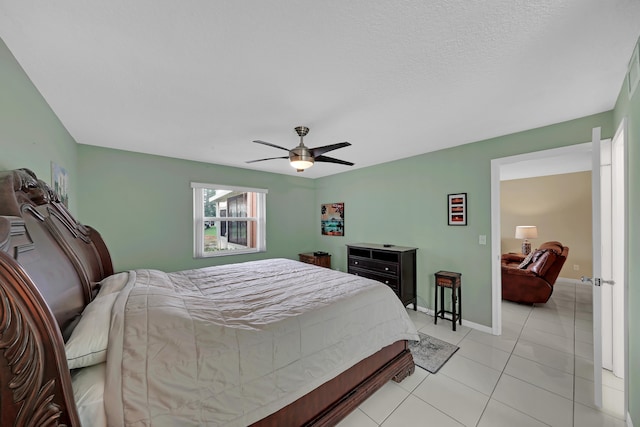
x,y
303,157
300,158
300,163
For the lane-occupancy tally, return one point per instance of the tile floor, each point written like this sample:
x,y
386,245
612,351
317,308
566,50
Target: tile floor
x,y
539,372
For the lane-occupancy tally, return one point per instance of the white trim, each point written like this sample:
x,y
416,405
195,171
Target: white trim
x,y
228,187
623,126
231,218
198,223
496,270
596,272
230,252
199,220
472,325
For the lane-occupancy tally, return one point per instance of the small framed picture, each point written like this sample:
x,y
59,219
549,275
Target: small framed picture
x,y
60,182
457,209
332,219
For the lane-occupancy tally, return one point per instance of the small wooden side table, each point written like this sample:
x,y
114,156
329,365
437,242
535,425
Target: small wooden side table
x,y
453,281
315,258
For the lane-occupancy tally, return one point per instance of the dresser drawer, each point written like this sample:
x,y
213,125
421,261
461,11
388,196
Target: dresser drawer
x,y
391,281
374,265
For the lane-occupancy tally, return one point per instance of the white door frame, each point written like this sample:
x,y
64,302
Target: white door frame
x,y
613,260
620,235
496,281
606,228
621,137
496,164
596,288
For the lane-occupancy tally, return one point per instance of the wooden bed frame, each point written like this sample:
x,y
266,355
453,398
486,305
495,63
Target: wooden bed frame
x,y
49,267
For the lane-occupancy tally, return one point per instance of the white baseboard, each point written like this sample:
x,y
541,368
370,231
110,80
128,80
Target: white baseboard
x,y
472,325
479,327
629,422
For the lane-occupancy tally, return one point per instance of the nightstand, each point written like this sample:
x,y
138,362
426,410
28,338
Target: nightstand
x,y
316,258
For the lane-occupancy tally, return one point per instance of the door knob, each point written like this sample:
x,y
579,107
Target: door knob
x,y
596,280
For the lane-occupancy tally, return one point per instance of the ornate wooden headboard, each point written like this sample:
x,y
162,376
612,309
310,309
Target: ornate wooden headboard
x,y
49,267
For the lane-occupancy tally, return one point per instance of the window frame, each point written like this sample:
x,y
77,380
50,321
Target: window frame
x,y
260,219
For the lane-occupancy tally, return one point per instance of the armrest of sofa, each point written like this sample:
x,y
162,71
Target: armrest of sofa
x,y
513,270
512,257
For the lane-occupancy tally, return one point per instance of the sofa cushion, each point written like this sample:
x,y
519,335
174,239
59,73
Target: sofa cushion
x,y
542,260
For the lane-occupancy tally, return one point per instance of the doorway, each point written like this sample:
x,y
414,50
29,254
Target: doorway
x,y
575,158
558,158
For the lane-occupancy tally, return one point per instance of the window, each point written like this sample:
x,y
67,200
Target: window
x,y
228,220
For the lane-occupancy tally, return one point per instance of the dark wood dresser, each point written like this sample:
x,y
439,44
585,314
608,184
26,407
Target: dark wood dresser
x,y
394,266
316,258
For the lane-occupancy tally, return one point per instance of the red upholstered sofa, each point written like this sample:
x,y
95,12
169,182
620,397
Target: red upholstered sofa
x,y
532,281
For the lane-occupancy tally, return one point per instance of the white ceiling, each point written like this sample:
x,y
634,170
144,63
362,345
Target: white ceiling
x,y
201,79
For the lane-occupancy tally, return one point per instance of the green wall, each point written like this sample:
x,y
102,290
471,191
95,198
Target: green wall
x,y
405,203
30,133
142,205
630,108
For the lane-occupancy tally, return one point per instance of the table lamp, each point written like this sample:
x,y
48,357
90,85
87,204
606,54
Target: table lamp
x,y
526,232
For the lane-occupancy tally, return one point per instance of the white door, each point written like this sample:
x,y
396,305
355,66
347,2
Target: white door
x,y
613,252
597,280
619,236
597,267
606,253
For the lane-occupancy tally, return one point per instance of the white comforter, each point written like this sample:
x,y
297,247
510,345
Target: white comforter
x,y
232,344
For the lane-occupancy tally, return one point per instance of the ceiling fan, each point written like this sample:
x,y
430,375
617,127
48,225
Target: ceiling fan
x,y
303,157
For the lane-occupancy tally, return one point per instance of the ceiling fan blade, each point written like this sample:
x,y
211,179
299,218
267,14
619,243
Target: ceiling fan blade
x,y
332,160
326,148
269,158
271,145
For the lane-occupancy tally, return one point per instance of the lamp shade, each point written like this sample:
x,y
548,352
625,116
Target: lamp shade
x,y
301,164
526,232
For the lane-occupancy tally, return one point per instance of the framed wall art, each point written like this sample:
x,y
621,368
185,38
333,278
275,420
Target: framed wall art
x,y
60,182
457,209
332,219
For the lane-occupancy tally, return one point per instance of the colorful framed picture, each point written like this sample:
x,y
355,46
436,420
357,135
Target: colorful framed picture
x,y
60,181
332,219
457,209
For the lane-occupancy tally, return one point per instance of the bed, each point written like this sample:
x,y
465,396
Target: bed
x,y
264,343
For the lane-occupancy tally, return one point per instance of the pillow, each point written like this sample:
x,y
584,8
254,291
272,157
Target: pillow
x,y
113,283
88,342
525,262
88,393
544,262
